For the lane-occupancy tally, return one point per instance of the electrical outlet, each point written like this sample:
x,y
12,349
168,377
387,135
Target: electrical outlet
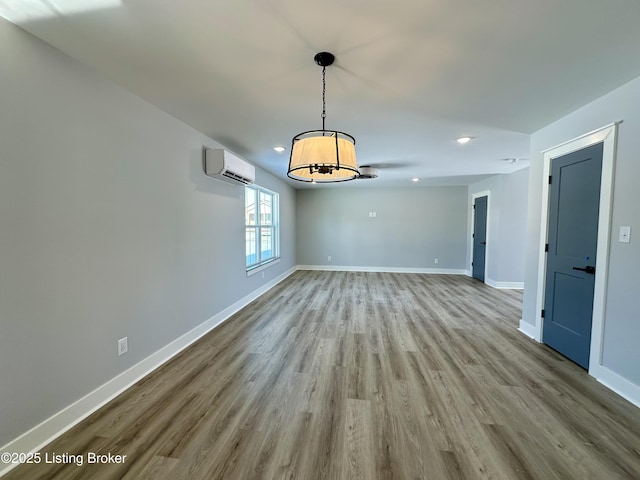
x,y
123,346
435,260
329,258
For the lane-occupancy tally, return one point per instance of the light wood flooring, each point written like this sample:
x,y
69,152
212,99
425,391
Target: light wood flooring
x,y
336,375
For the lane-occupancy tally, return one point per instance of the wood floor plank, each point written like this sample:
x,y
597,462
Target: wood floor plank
x,y
347,375
158,468
358,462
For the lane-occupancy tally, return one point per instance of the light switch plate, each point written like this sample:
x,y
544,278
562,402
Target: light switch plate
x,y
625,235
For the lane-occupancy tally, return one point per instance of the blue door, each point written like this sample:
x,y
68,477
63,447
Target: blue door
x,y
479,237
574,203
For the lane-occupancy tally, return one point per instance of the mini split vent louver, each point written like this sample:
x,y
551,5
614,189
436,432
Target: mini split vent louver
x,y
223,165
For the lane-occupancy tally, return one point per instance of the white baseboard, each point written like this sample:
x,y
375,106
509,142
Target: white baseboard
x,y
529,330
610,379
347,268
56,425
618,384
505,285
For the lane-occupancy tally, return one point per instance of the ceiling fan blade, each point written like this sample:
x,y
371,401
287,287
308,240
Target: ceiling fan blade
x,y
277,12
389,165
378,87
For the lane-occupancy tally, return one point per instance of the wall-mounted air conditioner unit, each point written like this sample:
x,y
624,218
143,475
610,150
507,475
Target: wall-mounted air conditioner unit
x,y
219,163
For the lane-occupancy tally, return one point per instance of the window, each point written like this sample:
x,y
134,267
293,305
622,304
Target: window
x,y
261,222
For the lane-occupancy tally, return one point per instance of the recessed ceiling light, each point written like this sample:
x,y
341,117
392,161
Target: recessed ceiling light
x,y
415,179
279,148
463,140
513,160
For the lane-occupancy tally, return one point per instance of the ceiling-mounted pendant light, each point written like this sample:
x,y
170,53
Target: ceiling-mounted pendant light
x,y
323,156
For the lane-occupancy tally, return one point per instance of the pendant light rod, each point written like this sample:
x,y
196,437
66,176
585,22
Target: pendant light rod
x,y
324,91
324,59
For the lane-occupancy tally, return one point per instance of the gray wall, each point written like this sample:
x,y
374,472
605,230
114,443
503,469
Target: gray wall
x,y
108,228
412,227
621,326
507,226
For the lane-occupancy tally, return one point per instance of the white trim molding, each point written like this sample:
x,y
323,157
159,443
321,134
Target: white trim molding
x,y
504,285
618,384
528,329
606,135
264,266
349,268
59,423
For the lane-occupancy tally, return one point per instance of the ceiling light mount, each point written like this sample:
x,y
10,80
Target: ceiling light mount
x,y
324,59
323,156
368,172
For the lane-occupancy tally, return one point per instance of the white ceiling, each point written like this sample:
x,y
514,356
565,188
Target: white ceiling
x,y
410,75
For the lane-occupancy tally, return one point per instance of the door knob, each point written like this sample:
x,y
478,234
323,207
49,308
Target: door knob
x,y
588,269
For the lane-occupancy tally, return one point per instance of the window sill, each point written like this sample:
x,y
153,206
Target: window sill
x,y
263,266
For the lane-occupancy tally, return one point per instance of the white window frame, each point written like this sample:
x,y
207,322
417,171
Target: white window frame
x,y
258,225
